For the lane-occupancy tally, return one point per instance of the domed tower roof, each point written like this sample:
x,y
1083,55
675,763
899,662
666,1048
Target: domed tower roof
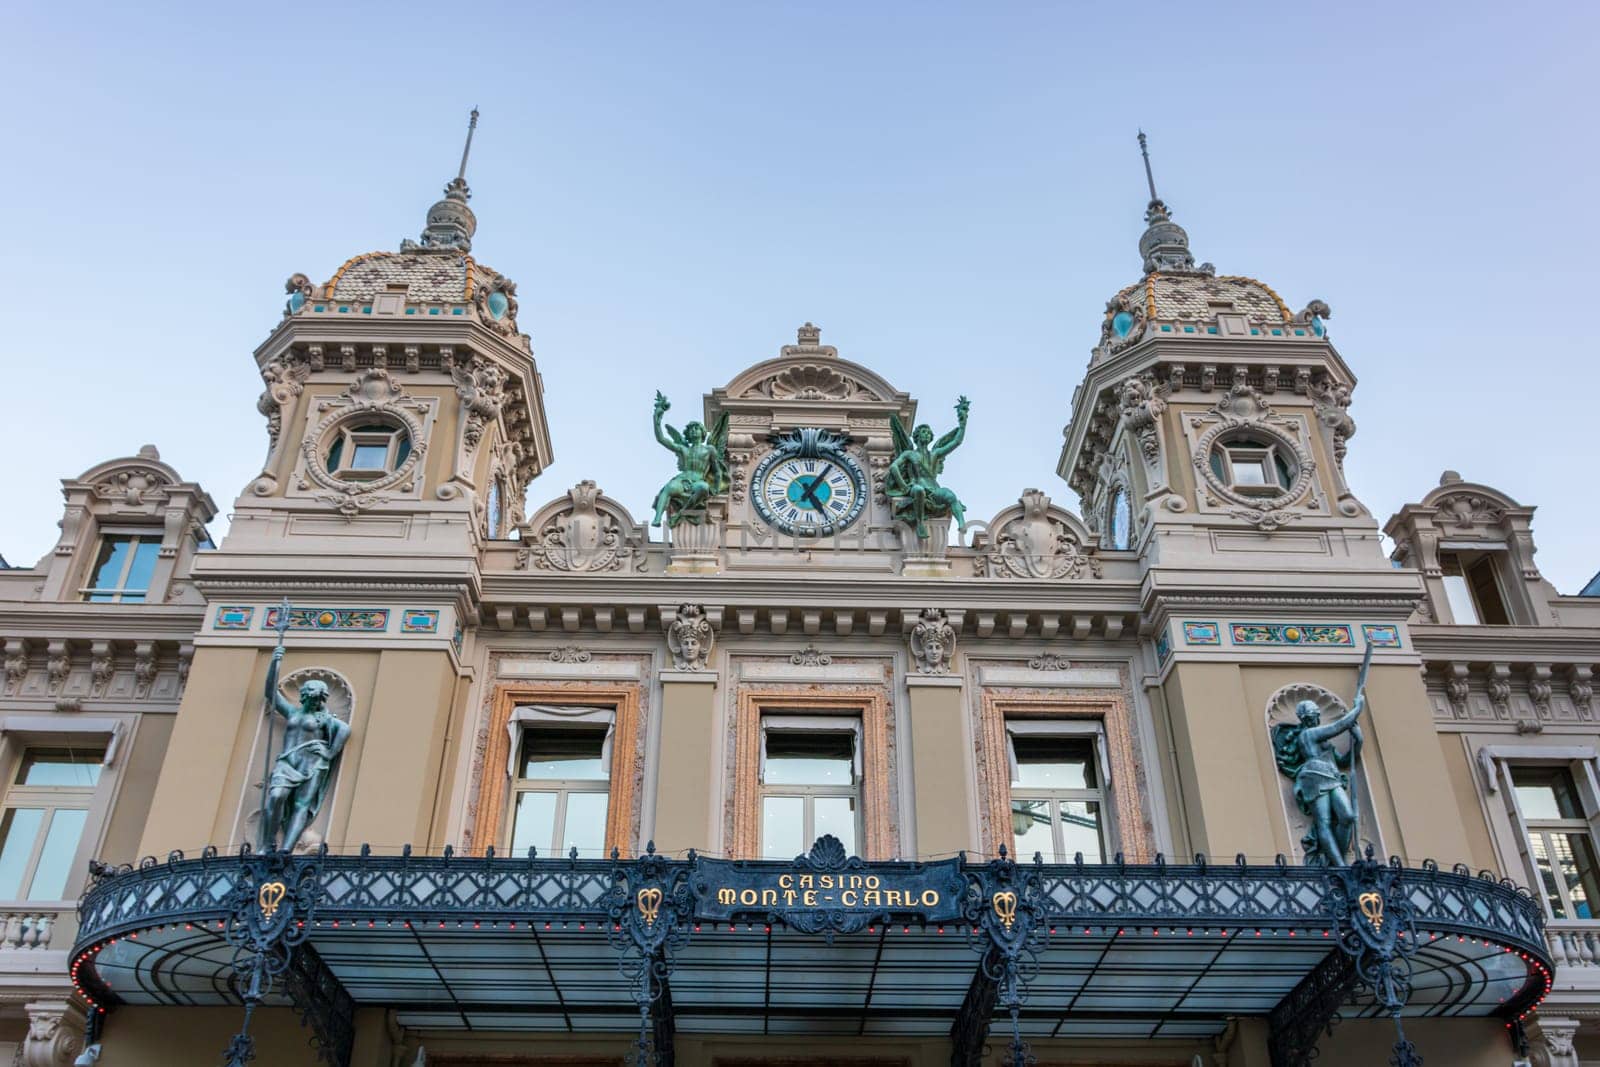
x,y
430,278
1177,297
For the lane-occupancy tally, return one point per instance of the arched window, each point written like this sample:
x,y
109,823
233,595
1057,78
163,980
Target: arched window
x,y
494,508
1121,519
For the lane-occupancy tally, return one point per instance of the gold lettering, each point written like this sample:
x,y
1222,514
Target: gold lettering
x,y
810,898
930,898
826,882
769,898
785,881
807,882
726,896
747,897
872,898
848,898
872,881
788,898
855,881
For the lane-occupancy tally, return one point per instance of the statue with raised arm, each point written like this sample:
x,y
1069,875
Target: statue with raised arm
x,y
312,741
912,481
1323,789
702,468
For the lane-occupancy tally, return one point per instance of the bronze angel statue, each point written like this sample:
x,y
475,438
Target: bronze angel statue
x,y
702,468
912,480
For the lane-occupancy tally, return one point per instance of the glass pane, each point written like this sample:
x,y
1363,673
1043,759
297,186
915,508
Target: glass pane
x,y
1249,469
1538,844
336,453
1578,867
1055,762
1030,830
564,752
586,824
402,450
1462,609
783,828
1486,592
60,766
108,565
55,861
1080,830
1546,793
369,457
535,825
144,565
1121,521
18,832
809,757
836,816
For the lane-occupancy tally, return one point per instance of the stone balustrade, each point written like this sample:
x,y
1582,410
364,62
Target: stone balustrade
x,y
27,929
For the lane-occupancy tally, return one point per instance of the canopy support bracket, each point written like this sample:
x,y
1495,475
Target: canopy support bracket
x,y
270,916
1310,1010
650,911
971,1027
1005,908
1377,929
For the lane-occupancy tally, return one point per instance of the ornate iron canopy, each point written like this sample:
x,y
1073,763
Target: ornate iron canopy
x,y
824,944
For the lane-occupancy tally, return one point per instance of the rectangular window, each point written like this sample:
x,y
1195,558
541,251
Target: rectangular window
x,y
1559,838
123,568
46,810
1472,589
1057,795
810,783
562,790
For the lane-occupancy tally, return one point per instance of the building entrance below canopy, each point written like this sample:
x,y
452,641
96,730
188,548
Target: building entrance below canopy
x,y
825,946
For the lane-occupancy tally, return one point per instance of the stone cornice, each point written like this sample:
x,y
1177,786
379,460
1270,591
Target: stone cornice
x,y
151,622
1507,644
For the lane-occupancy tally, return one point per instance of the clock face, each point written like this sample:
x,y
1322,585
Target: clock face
x,y
809,487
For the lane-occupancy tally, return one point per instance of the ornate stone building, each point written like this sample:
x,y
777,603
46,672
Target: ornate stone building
x,y
541,783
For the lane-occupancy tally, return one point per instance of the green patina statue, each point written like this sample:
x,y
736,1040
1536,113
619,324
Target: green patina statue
x,y
702,468
1322,786
312,742
912,480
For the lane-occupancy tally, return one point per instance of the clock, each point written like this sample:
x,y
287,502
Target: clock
x,y
809,485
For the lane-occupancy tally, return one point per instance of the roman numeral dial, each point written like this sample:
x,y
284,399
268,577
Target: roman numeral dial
x,y
809,491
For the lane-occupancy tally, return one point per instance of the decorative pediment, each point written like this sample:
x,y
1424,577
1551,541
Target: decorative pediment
x,y
137,482
1036,539
811,370
584,532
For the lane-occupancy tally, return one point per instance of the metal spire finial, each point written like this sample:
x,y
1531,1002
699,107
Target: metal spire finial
x,y
472,124
1144,150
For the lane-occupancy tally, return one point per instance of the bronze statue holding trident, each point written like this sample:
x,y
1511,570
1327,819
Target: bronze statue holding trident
x,y
312,742
702,467
1323,790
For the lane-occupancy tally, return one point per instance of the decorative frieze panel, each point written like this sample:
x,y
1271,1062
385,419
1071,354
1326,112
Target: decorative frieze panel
x,y
232,619
1527,697
1219,634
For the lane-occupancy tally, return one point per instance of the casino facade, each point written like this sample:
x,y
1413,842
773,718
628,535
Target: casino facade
x,y
821,769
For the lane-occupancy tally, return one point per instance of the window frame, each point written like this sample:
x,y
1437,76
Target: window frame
x,y
1236,452
844,723
21,733
1462,559
563,788
1088,730
1498,764
348,438
118,594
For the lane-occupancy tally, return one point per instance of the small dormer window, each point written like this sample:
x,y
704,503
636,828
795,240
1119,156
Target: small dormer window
x,y
1472,588
370,450
1252,466
123,568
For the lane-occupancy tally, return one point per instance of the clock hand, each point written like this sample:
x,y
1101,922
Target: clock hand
x,y
810,491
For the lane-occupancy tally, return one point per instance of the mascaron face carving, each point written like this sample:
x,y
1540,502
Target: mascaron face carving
x,y
933,642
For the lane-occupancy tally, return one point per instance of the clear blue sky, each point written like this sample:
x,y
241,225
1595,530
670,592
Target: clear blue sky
x,y
950,191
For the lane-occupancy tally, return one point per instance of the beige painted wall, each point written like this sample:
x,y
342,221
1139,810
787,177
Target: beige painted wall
x,y
685,811
941,761
1232,791
141,766
170,1037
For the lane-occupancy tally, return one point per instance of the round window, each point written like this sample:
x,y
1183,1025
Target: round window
x,y
369,450
1253,465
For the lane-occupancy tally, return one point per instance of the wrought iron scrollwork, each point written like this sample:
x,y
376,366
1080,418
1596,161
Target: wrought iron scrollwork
x,y
650,909
1004,909
270,912
1377,929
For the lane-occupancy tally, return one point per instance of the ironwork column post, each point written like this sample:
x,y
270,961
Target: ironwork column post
x,y
1005,911
650,911
1378,931
271,907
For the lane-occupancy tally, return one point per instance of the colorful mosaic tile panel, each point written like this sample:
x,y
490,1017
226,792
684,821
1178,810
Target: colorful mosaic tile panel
x,y
1289,633
331,618
1202,633
1163,646
415,621
234,617
1381,635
